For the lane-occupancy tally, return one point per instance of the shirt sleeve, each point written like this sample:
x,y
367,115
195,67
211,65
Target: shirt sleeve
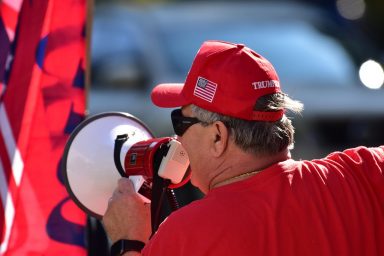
x,y
361,158
365,164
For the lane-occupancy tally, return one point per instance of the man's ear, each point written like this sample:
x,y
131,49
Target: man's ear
x,y
220,138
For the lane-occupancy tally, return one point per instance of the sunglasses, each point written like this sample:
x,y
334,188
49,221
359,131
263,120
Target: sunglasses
x,y
182,123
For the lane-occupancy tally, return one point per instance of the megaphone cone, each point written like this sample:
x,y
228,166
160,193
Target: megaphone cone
x,y
88,162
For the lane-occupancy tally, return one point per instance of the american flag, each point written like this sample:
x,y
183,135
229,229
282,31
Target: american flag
x,y
42,69
205,89
11,162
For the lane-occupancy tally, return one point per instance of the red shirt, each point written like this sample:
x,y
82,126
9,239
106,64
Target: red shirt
x,y
331,206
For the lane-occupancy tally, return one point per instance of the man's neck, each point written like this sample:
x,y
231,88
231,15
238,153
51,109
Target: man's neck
x,y
244,165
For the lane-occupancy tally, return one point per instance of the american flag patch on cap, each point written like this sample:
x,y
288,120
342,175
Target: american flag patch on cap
x,y
205,89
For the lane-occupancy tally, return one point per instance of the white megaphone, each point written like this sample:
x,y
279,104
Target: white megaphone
x,y
107,146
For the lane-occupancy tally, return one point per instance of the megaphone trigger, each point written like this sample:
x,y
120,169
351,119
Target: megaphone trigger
x,y
141,187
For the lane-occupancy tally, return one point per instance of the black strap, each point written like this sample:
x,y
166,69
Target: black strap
x,y
119,141
122,246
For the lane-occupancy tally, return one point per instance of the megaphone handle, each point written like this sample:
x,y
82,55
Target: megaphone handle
x,y
119,141
160,190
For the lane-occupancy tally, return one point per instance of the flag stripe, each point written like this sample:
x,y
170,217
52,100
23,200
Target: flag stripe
x,y
7,185
205,89
10,10
9,16
13,152
9,210
7,168
203,96
11,160
206,93
14,4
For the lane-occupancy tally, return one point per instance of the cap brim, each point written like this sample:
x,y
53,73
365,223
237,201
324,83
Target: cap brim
x,y
168,95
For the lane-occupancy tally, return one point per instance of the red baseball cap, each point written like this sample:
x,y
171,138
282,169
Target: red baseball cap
x,y
225,78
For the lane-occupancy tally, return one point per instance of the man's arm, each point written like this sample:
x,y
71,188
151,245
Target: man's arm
x,y
127,216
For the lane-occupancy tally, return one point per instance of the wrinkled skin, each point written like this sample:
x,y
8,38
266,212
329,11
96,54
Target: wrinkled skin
x,y
135,223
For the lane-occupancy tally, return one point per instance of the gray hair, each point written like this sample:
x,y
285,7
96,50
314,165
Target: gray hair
x,y
258,137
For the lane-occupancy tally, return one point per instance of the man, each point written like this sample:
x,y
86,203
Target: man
x,y
258,201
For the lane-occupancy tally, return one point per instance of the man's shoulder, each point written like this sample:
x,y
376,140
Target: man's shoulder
x,y
196,209
358,157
